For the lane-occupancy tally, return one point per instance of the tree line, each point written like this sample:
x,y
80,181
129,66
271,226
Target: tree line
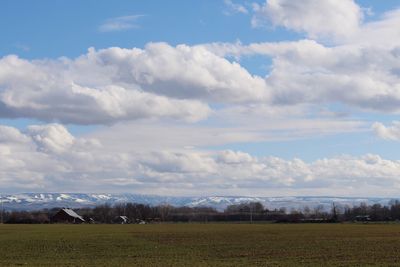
x,y
246,212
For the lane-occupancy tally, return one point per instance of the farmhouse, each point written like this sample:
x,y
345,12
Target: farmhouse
x,y
67,216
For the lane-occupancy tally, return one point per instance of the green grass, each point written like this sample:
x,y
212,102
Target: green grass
x,y
200,245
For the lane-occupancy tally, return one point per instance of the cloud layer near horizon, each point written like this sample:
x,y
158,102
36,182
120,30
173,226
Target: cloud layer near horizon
x,y
47,157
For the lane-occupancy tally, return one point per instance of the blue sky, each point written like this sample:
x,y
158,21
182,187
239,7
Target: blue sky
x,y
67,28
61,28
182,97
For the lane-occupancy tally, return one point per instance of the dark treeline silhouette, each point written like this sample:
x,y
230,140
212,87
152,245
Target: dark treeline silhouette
x,y
247,212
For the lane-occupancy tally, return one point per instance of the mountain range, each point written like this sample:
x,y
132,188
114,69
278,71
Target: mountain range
x,y
37,201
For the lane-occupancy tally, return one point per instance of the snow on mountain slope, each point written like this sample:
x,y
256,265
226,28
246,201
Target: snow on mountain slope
x,y
34,201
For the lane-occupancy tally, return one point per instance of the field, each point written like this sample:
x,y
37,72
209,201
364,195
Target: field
x,y
201,245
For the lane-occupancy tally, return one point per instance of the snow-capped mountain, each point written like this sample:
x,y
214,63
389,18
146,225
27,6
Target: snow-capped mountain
x,y
36,201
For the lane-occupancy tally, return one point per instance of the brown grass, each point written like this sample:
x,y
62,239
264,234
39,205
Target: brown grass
x,y
201,245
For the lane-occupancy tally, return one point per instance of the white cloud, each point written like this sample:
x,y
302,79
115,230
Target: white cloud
x,y
162,81
306,71
232,157
81,92
328,18
337,21
182,72
11,134
122,23
388,133
47,158
124,84
51,138
382,32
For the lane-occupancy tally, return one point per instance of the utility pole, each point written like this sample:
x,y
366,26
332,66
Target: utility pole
x,y
2,211
334,213
251,213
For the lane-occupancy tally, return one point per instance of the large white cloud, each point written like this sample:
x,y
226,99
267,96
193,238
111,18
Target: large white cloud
x,y
182,72
116,84
362,68
48,157
162,81
47,90
306,71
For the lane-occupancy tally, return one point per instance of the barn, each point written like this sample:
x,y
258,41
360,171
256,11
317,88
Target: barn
x,y
121,220
67,216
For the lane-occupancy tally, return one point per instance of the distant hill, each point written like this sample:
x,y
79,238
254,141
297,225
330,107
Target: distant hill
x,y
35,201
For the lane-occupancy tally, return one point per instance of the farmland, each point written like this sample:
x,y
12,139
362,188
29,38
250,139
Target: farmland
x,y
200,245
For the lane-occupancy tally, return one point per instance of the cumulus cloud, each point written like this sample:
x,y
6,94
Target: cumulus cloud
x,y
45,157
229,171
11,134
231,157
388,133
179,82
51,138
306,71
360,70
337,21
182,72
161,81
116,84
329,18
383,31
71,91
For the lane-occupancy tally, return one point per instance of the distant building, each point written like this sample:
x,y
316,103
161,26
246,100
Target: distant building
x,y
363,218
138,221
121,220
67,216
315,220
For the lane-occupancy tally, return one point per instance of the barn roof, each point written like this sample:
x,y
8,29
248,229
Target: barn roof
x,y
72,213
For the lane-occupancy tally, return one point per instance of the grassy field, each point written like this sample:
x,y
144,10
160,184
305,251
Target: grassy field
x,y
200,245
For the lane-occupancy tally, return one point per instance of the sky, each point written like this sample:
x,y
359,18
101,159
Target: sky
x,y
196,98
